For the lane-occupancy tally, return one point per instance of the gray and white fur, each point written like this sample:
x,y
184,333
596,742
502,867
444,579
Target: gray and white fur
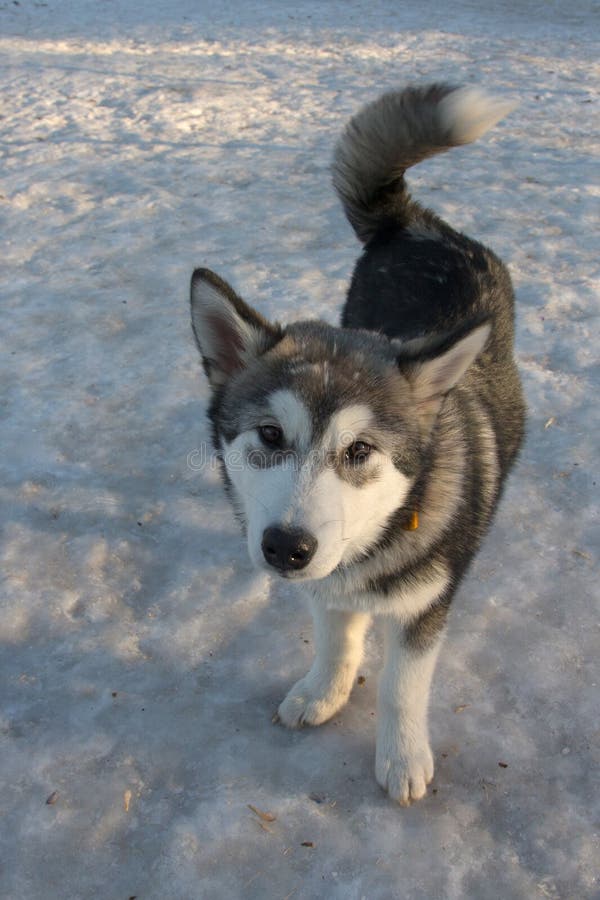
x,y
367,461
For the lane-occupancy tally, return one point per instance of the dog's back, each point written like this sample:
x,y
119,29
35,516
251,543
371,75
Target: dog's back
x,y
418,276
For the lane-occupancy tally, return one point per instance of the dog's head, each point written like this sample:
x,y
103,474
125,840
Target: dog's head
x,y
322,431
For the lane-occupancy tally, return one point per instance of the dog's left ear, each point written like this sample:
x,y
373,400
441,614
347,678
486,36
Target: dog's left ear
x,y
435,366
228,332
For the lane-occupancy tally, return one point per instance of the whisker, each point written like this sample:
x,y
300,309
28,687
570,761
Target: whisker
x,y
328,522
252,497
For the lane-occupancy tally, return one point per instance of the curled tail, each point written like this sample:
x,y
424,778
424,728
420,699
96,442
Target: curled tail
x,y
395,132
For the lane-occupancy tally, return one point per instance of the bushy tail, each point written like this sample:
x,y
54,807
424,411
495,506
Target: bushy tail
x,y
395,132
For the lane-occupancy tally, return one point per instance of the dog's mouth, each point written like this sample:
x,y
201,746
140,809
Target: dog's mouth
x,y
290,575
310,574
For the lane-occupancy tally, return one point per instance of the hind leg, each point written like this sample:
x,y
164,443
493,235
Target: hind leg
x,y
339,638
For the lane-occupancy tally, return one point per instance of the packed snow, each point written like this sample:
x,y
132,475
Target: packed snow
x,y
142,656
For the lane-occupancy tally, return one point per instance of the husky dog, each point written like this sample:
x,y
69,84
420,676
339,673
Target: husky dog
x,y
367,460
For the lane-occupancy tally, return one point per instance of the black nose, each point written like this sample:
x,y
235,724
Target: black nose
x,y
288,549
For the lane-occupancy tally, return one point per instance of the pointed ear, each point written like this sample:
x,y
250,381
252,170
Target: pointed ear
x,y
228,332
433,368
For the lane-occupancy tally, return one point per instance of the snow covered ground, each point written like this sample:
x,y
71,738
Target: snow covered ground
x,y
142,658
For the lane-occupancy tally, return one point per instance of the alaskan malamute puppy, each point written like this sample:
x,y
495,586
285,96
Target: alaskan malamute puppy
x,y
366,461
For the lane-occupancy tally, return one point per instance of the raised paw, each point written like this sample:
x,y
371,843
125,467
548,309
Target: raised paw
x,y
311,701
405,776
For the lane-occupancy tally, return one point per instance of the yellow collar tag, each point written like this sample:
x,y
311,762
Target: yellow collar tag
x,y
412,523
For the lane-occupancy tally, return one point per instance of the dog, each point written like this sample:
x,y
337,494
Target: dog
x,y
366,461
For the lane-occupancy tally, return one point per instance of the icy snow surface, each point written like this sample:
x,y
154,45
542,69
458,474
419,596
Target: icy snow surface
x,y
142,657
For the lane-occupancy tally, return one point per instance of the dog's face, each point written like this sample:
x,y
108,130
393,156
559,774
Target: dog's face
x,y
322,431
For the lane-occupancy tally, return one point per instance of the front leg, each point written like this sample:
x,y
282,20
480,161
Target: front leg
x,y
339,638
404,762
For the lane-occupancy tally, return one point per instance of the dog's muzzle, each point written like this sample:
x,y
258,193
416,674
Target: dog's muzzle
x,y
288,549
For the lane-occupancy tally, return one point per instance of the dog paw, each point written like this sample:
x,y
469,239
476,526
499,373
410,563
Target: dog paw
x,y
310,703
405,776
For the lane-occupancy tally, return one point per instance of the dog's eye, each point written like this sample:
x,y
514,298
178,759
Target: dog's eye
x,y
270,434
357,453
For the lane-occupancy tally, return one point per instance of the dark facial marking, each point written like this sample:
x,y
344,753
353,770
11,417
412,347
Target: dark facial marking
x,y
269,457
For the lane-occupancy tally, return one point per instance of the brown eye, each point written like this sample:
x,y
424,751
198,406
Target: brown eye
x,y
270,434
357,453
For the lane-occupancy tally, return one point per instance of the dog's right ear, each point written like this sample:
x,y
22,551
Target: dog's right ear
x,y
228,332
